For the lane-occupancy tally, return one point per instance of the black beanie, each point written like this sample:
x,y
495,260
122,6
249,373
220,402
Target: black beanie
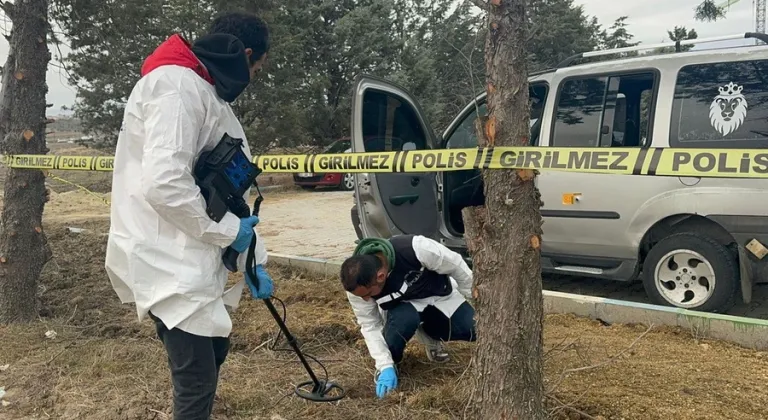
x,y
224,57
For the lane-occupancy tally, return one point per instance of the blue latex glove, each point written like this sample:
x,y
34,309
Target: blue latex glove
x,y
245,234
263,281
387,382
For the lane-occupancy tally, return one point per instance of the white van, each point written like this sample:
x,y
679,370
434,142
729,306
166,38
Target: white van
x,y
696,243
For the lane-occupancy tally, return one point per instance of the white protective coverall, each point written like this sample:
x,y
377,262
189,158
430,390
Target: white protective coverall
x,y
433,256
164,252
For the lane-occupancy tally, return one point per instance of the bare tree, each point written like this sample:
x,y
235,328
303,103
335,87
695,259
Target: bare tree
x,y
504,236
23,246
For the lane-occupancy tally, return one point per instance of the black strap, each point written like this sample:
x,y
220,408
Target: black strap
x,y
250,257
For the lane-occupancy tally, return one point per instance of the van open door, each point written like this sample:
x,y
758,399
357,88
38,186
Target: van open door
x,y
385,118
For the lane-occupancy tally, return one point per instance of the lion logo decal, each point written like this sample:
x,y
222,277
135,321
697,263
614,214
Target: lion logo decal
x,y
729,109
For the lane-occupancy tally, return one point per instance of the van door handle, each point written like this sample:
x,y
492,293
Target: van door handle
x,y
399,200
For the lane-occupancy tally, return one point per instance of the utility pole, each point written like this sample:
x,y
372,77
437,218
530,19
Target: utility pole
x,y
760,17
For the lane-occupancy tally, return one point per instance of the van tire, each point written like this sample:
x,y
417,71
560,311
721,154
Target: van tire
x,y
724,265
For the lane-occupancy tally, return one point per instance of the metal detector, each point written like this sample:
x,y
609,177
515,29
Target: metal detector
x,y
321,389
224,175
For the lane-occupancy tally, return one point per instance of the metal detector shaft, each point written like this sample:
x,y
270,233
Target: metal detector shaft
x,y
320,390
288,336
291,341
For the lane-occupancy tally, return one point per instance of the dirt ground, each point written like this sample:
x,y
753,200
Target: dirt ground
x,y
103,364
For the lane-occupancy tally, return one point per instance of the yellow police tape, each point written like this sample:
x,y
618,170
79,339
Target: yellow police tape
x,y
80,187
730,163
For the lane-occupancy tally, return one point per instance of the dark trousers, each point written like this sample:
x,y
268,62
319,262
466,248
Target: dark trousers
x,y
403,320
195,362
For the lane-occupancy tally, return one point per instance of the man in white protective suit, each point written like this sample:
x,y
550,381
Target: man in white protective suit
x,y
164,252
406,286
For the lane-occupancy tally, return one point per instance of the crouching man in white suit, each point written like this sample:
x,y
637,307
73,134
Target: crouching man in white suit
x,y
404,286
164,252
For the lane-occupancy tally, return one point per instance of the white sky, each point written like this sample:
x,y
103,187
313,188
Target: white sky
x,y
648,21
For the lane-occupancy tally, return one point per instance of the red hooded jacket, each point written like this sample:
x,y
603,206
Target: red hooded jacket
x,y
175,51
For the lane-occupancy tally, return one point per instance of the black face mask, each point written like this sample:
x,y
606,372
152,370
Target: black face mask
x,y
224,57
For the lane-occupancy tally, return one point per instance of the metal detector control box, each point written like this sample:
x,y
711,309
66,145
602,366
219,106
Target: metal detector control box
x,y
224,174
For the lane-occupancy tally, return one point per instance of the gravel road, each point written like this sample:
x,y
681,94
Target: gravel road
x,y
317,224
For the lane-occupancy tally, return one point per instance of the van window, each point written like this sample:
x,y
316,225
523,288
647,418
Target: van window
x,y
632,115
721,105
387,120
465,136
605,111
579,112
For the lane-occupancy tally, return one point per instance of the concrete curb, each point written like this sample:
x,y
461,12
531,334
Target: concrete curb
x,y
312,265
747,332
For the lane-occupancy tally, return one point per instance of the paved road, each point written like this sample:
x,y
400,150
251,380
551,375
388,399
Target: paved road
x,y
317,224
308,223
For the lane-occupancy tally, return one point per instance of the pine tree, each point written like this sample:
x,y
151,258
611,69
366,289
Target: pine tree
x,y
504,236
23,246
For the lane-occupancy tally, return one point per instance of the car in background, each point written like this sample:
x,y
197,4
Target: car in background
x,y
341,181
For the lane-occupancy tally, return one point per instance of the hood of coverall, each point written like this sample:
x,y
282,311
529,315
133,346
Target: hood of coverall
x,y
218,58
375,245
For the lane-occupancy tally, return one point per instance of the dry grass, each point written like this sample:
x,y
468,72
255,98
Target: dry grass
x,y
103,364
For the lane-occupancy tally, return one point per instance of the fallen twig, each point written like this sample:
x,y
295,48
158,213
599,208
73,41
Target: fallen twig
x,y
286,395
601,364
260,346
73,315
158,412
559,347
67,347
564,406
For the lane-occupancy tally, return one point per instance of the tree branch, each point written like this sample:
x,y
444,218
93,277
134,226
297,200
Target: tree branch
x,y
563,406
608,361
8,8
480,3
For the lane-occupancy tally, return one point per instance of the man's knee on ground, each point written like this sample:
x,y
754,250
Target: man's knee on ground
x,y
402,321
401,325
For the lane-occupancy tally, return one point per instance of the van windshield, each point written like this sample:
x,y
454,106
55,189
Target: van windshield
x,y
465,136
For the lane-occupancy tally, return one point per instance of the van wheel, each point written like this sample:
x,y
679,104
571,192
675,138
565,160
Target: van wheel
x,y
691,271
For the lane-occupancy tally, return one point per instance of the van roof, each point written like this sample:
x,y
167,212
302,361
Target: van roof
x,y
726,53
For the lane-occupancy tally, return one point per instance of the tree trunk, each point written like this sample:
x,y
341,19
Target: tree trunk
x,y
504,238
23,246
